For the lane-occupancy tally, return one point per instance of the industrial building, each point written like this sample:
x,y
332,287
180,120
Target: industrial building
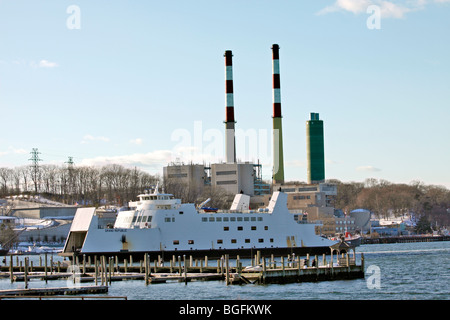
x,y
190,175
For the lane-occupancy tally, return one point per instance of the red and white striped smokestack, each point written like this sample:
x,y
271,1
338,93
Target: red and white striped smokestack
x,y
230,143
276,81
278,162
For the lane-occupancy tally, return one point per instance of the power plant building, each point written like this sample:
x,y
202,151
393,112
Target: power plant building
x,y
191,175
312,201
234,177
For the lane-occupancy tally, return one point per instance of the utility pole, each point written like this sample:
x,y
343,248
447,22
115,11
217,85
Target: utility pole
x,y
71,188
35,167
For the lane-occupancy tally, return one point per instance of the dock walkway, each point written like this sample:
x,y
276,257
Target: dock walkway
x,y
54,291
264,270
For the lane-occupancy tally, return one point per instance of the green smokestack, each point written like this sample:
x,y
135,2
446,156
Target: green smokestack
x,y
315,149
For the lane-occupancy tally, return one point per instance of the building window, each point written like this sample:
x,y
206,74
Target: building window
x,y
225,173
226,182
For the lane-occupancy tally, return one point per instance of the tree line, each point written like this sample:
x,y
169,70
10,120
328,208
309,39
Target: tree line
x,y
384,198
113,183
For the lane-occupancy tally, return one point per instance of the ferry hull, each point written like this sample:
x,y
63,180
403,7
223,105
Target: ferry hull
x,y
243,253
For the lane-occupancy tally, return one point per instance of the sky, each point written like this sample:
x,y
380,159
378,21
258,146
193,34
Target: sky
x,y
141,83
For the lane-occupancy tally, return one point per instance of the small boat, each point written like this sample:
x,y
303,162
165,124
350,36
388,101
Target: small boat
x,y
254,268
209,209
353,240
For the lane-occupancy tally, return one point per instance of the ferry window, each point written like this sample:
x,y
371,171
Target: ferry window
x,y
271,239
219,241
167,219
225,219
211,219
260,219
134,219
233,219
260,240
253,219
233,241
204,219
139,219
247,240
149,219
176,242
239,219
144,218
253,227
266,227
180,212
190,241
173,219
218,219
246,219
240,228
226,228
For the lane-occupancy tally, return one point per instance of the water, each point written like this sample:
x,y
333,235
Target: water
x,y
406,271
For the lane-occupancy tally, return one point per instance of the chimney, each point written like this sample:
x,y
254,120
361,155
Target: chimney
x,y
315,149
230,142
278,162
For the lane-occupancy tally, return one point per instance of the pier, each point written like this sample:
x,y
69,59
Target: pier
x,y
52,291
102,271
405,239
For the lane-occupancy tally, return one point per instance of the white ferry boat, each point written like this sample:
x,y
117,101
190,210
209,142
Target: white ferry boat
x,y
159,224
